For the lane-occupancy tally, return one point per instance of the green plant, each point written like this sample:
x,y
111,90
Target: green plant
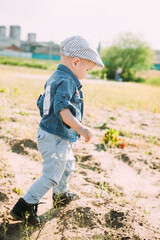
x,y
111,236
144,210
130,54
153,140
103,126
17,190
116,193
23,113
31,63
124,133
99,237
112,118
4,225
3,90
96,73
25,229
78,158
103,186
111,138
109,222
47,216
155,110
79,218
154,81
16,90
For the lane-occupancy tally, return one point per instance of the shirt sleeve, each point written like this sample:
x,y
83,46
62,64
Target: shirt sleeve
x,y
63,97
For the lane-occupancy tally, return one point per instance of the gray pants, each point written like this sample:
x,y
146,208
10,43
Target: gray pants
x,y
58,165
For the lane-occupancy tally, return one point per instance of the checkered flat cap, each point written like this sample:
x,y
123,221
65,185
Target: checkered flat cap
x,y
77,46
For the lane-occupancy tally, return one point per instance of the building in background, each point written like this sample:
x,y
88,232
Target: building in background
x,y
15,32
12,39
14,51
12,45
31,37
2,31
48,51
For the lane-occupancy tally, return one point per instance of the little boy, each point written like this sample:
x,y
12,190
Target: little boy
x,y
61,109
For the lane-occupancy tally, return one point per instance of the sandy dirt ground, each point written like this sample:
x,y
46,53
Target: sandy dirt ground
x,y
118,189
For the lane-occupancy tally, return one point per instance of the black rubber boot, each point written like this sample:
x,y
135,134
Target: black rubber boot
x,y
25,211
63,199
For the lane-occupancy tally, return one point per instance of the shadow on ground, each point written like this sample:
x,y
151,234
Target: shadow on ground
x,y
19,146
20,230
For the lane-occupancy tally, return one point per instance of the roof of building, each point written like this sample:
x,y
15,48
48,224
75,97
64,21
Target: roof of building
x,y
14,48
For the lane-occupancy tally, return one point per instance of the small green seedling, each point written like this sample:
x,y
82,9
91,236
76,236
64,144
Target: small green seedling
x,y
17,190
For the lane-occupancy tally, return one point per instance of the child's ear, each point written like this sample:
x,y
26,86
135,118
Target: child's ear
x,y
76,60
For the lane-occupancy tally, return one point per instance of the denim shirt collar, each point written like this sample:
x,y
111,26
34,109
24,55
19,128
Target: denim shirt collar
x,y
63,68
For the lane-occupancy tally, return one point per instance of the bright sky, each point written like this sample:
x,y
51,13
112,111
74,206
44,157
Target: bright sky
x,y
97,20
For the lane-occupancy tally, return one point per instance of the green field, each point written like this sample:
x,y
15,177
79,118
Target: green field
x,y
31,63
133,96
22,83
21,86
107,172
151,77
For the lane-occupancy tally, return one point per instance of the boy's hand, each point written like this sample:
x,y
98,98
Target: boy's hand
x,y
71,121
85,132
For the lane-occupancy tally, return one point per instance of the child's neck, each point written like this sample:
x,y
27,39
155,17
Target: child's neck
x,y
66,62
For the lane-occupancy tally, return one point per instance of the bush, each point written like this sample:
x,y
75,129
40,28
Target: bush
x,y
99,73
130,54
139,80
96,73
154,81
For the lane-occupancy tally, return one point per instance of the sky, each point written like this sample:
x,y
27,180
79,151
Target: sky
x,y
97,20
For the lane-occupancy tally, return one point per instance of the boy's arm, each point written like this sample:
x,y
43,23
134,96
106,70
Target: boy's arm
x,y
72,122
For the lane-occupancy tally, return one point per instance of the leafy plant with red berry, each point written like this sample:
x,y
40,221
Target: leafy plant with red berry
x,y
111,138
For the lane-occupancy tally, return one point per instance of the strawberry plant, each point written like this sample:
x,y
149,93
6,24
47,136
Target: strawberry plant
x,y
111,138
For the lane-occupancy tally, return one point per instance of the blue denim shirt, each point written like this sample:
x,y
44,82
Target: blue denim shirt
x,y
62,91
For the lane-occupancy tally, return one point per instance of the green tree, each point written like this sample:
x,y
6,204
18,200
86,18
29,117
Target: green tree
x,y
130,54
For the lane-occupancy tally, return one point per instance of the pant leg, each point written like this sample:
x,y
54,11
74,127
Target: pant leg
x,y
63,184
55,153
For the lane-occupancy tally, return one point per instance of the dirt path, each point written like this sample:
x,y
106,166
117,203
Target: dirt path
x,y
118,189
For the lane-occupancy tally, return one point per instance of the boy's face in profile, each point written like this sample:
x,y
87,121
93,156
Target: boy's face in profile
x,y
81,68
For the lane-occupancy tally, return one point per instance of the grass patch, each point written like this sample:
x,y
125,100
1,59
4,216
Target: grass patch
x,y
112,118
31,63
102,126
153,81
133,96
147,77
124,133
23,113
3,90
21,93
